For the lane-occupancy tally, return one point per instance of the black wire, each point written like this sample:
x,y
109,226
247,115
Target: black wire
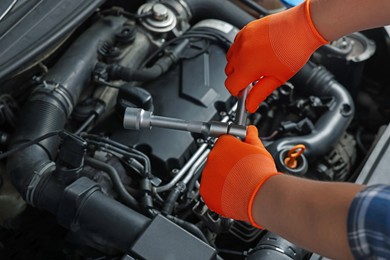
x,y
85,124
114,143
193,229
119,11
29,143
122,149
112,149
203,34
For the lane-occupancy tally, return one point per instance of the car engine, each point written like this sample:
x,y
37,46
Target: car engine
x,y
109,109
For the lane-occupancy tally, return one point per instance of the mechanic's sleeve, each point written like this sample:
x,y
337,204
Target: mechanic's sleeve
x,y
234,173
369,223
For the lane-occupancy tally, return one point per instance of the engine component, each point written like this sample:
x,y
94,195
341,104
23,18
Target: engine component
x,y
338,163
31,169
192,89
53,102
6,7
272,246
220,10
116,72
332,124
345,58
157,17
245,232
165,235
292,161
11,203
140,119
115,191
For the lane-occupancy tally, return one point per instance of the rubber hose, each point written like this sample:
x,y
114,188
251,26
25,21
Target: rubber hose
x,y
126,197
218,9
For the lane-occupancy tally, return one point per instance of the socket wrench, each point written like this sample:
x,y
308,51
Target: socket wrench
x,y
136,118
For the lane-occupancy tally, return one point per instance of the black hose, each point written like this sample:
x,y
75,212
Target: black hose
x,y
128,74
191,185
127,198
83,208
27,144
218,9
142,170
331,126
116,71
193,229
172,198
80,206
51,103
122,149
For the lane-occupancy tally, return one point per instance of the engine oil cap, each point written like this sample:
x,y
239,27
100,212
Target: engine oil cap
x,y
292,3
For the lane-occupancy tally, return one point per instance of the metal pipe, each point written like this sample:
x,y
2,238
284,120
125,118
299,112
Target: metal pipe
x,y
199,163
187,166
183,170
85,124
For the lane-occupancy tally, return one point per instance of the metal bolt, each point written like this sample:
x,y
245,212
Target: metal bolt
x,y
174,172
126,35
200,141
222,113
160,12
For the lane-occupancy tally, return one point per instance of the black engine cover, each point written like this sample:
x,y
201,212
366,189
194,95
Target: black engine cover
x,y
192,90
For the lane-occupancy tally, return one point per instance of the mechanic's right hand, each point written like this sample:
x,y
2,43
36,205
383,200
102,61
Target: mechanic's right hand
x,y
234,173
270,51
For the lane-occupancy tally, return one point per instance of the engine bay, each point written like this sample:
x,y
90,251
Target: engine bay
x,y
109,110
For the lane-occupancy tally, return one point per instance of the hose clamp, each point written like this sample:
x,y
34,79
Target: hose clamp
x,y
59,89
59,92
39,174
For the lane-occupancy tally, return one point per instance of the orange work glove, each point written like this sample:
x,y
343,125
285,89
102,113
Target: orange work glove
x,y
234,173
270,51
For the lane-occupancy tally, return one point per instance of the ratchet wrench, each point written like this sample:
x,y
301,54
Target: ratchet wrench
x,y
136,118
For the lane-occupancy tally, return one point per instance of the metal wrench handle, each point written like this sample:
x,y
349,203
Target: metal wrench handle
x,y
136,118
241,114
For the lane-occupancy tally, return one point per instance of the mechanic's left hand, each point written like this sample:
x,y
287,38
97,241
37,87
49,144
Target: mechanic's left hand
x,y
270,51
